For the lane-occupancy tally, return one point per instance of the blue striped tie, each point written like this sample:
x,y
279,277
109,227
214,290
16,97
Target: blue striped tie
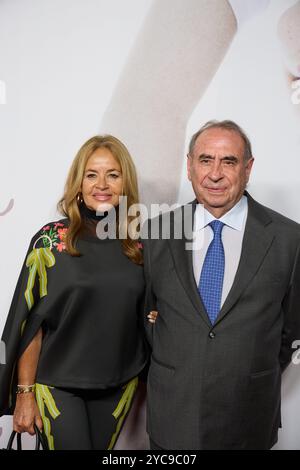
x,y
212,274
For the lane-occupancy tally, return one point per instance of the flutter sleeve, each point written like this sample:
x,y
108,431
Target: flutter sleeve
x,y
26,313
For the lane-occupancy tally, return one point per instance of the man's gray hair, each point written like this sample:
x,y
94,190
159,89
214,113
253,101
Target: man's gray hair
x,y
229,126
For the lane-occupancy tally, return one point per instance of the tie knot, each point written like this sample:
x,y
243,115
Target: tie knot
x,y
217,227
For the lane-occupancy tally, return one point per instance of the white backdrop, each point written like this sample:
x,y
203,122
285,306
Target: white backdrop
x,y
60,61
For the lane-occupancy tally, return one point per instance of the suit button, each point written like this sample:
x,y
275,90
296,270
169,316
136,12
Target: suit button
x,y
212,334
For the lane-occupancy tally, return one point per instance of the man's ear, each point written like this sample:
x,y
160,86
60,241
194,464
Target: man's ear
x,y
249,166
189,163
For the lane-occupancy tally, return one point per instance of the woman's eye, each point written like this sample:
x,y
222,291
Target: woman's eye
x,y
114,175
90,175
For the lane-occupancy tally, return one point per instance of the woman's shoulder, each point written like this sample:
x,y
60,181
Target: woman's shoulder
x,y
51,235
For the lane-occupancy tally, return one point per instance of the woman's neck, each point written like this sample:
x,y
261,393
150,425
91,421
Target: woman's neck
x,y
91,214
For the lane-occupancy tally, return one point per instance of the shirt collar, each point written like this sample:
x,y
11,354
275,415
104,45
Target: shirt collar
x,y
235,218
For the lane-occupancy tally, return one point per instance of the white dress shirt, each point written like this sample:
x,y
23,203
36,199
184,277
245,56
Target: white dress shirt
x,y
232,238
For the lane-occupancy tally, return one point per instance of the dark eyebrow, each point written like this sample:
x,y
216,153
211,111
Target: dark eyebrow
x,y
205,156
228,158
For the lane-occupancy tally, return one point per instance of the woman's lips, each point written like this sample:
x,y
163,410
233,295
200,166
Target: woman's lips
x,y
102,197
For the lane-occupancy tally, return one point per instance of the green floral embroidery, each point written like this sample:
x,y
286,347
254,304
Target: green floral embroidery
x,y
123,408
44,400
54,235
37,261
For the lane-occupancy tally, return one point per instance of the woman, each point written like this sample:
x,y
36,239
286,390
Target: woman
x,y
74,334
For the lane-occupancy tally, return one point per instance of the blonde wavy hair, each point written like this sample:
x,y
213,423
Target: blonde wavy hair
x,y
69,205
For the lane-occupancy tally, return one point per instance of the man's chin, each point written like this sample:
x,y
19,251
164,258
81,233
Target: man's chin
x,y
216,201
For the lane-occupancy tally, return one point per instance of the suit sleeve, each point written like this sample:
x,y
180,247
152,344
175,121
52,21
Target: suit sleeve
x,y
150,300
291,309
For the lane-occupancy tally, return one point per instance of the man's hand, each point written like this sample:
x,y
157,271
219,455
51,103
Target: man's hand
x,y
152,316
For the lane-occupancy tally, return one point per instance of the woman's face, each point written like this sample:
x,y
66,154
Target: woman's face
x,y
102,182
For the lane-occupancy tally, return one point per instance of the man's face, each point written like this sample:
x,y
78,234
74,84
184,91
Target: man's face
x,y
218,171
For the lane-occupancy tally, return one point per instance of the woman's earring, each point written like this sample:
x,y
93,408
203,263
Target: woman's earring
x,y
79,198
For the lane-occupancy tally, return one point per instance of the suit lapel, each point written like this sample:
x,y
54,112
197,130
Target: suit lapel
x,y
183,261
258,238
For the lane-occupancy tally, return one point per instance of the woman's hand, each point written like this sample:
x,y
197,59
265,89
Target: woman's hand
x,y
152,316
26,414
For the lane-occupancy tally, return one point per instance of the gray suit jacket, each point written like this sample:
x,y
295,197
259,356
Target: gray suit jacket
x,y
219,387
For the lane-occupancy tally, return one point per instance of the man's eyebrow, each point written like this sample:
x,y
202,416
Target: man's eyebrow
x,y
231,158
205,156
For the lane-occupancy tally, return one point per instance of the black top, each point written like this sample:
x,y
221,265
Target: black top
x,y
91,314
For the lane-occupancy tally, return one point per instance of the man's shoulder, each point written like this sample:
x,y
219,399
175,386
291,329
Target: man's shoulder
x,y
176,212
279,220
166,221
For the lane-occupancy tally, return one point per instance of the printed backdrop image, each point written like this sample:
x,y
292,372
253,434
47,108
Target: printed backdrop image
x,y
150,72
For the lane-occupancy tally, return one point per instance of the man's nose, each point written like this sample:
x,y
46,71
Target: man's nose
x,y
216,172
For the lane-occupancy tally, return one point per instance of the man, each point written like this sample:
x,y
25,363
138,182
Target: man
x,y
229,311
